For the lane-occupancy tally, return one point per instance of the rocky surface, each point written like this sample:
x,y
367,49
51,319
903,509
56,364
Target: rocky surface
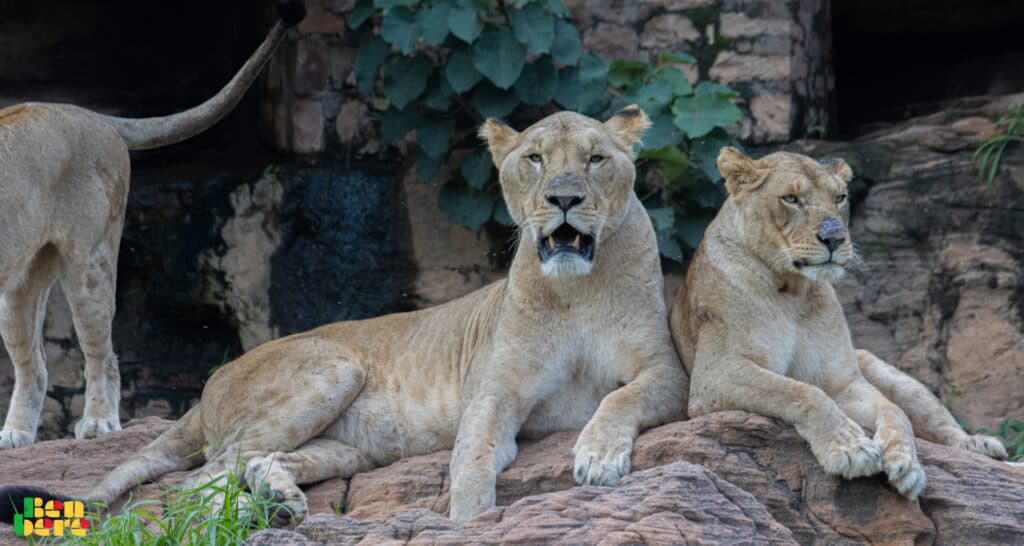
x,y
757,483
941,292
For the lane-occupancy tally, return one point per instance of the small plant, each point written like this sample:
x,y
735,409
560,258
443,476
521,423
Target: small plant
x,y
990,153
186,517
446,65
1011,432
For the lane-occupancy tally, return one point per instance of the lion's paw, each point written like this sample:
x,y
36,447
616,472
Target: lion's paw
x,y
15,438
601,460
904,472
94,427
287,505
986,445
850,453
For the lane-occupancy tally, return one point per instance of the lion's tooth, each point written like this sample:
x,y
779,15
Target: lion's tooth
x,y
551,242
576,242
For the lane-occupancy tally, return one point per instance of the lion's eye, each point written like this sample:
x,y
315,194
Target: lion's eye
x,y
536,158
596,158
791,199
840,199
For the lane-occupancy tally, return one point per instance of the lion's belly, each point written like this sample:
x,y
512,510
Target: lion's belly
x,y
386,427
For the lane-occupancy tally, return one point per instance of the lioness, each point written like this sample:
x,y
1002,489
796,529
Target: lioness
x,y
577,335
64,174
759,327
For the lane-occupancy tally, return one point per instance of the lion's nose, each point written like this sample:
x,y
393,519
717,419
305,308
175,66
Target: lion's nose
x,y
830,233
565,202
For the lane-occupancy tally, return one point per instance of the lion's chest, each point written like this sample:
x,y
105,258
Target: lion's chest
x,y
805,347
592,367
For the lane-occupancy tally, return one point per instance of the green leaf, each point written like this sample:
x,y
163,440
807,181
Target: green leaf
x,y
433,23
434,133
626,73
668,247
716,89
439,95
405,78
459,70
652,97
499,57
708,108
501,214
362,11
388,4
538,82
369,57
395,124
468,208
678,58
558,8
569,87
566,46
691,229
676,78
662,133
533,26
663,218
476,168
492,102
464,22
427,168
672,162
593,69
704,152
400,29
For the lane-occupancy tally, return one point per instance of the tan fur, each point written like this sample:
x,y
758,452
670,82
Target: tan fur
x,y
759,327
525,356
63,188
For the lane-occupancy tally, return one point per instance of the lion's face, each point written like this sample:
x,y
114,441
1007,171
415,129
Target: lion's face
x,y
567,180
795,210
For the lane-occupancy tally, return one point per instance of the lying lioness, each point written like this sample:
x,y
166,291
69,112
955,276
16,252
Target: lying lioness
x,y
63,189
759,327
577,335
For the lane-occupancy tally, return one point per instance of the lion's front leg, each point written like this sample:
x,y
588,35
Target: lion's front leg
x,y
484,446
603,449
893,432
723,381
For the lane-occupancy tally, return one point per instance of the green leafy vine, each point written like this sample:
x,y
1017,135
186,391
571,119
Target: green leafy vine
x,y
446,65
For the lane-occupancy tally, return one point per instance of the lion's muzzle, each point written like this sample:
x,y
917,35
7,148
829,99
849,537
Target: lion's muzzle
x,y
566,239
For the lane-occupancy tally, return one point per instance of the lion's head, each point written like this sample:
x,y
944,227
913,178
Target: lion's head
x,y
794,210
567,180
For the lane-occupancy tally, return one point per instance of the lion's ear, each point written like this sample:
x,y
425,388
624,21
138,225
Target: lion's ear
x,y
739,171
500,138
838,167
628,125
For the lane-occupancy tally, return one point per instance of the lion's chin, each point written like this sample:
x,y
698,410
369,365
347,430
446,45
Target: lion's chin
x,y
566,264
827,272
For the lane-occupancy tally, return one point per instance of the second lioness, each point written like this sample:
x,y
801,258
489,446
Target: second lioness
x,y
760,328
577,335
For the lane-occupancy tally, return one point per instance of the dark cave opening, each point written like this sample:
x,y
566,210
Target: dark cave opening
x,y
136,59
896,59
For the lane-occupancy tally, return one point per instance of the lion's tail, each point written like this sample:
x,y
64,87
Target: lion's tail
x,y
168,452
145,133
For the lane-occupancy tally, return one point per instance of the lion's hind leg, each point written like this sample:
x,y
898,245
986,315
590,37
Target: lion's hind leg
x,y
22,308
89,281
930,419
278,475
275,447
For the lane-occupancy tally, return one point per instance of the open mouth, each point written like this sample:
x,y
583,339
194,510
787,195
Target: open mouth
x,y
566,239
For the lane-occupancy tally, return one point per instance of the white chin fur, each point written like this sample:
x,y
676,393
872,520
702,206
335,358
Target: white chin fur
x,y
826,272
566,265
